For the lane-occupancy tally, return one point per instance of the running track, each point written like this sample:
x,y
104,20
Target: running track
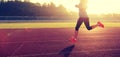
x,y
53,42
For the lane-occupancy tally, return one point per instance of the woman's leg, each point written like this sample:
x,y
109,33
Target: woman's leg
x,y
87,24
79,22
74,37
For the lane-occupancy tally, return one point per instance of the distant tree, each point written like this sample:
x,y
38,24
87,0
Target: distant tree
x,y
1,0
52,5
17,0
62,10
9,0
26,0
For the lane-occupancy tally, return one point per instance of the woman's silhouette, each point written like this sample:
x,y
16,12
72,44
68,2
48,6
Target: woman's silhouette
x,y
83,18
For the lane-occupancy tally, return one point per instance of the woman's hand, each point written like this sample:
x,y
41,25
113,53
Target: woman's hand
x,y
77,6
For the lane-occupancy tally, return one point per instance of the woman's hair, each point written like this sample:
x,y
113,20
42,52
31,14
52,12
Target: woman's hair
x,y
83,3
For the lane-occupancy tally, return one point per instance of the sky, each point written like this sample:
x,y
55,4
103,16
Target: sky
x,y
94,6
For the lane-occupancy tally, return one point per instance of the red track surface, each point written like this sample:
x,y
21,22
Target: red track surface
x,y
54,43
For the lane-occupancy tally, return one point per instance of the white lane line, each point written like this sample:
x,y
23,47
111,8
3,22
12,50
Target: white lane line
x,y
61,40
103,50
17,49
35,41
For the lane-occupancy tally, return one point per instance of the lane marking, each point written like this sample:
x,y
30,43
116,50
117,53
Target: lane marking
x,y
61,40
17,49
103,50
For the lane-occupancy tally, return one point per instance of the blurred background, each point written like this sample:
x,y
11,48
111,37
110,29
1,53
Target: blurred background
x,y
58,11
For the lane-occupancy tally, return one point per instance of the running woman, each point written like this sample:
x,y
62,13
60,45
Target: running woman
x,y
83,18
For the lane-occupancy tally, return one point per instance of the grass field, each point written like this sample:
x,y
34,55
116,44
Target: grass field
x,y
49,25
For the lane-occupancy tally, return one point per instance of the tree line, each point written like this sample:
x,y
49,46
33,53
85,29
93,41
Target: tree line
x,y
18,8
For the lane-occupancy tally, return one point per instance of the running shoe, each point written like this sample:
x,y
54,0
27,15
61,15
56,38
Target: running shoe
x,y
100,24
73,39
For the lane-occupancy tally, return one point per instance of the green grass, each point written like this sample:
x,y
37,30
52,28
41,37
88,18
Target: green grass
x,y
48,25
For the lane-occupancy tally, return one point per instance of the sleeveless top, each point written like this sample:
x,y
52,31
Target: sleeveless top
x,y
82,11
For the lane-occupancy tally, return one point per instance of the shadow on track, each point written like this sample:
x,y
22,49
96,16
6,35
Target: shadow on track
x,y
66,51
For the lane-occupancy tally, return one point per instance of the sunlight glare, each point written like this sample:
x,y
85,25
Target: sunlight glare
x,y
94,6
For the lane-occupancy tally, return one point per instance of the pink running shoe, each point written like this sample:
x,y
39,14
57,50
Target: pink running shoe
x,y
100,24
73,39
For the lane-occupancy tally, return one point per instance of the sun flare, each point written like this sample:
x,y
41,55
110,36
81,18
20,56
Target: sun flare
x,y
94,6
